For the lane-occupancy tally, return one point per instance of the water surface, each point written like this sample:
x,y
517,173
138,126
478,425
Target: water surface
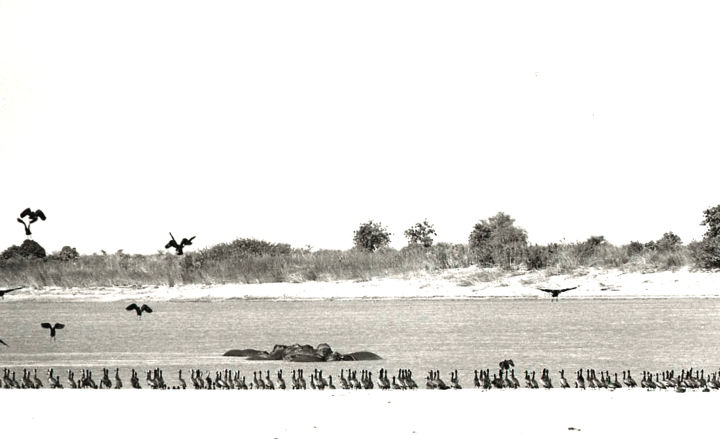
x,y
612,334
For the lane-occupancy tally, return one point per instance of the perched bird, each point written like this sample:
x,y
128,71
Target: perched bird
x,y
52,328
32,217
178,247
139,310
555,293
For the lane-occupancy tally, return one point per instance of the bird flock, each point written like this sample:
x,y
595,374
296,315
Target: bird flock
x,y
348,379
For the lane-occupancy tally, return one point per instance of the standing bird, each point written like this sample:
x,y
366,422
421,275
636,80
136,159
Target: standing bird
x,y
2,292
32,217
139,310
52,328
178,248
555,293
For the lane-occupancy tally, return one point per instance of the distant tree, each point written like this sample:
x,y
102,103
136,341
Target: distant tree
x,y
707,252
669,241
371,236
712,222
497,240
421,233
634,248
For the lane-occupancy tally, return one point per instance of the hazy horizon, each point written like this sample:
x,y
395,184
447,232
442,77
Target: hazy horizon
x,y
296,122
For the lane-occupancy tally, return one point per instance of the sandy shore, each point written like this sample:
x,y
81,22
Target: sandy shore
x,y
466,413
458,283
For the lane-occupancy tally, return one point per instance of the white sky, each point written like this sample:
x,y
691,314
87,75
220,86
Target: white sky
x,y
295,121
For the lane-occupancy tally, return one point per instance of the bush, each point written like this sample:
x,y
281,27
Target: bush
x,y
541,256
421,233
371,236
634,248
67,253
497,241
29,249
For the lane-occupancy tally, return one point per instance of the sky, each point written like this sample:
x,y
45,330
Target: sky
x,y
295,122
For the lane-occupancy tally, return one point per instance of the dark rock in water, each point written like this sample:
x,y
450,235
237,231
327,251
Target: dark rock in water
x,y
301,353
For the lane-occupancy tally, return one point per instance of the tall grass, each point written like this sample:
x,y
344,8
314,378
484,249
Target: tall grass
x,y
252,261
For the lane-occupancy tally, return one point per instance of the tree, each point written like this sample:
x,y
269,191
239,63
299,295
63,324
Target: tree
x,y
712,221
371,236
421,233
497,241
669,241
708,250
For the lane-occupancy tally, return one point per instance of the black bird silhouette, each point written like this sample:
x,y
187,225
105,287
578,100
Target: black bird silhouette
x,y
2,292
556,293
178,248
139,310
52,328
2,342
32,217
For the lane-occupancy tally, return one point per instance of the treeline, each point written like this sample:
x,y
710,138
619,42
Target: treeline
x,y
494,242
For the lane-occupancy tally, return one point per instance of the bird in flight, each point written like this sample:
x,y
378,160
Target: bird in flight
x,y
139,310
178,248
2,342
32,217
555,292
52,328
2,292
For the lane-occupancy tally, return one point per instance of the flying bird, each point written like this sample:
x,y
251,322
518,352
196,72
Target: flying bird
x,y
2,342
556,292
32,217
178,248
2,292
139,310
52,328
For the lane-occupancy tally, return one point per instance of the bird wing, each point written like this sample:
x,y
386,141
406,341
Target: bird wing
x,y
556,291
46,325
186,241
40,214
172,243
25,213
146,308
2,342
59,326
10,290
132,307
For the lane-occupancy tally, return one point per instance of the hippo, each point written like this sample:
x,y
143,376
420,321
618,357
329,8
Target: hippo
x,y
301,354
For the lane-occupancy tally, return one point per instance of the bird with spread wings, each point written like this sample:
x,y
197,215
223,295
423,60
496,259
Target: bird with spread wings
x,y
33,215
139,309
556,292
178,247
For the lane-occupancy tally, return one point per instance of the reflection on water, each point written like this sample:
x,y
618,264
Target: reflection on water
x,y
607,334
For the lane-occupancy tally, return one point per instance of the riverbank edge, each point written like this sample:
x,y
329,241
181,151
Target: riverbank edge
x,y
464,283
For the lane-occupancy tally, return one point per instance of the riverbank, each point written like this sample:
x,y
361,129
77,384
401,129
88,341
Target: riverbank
x,y
457,283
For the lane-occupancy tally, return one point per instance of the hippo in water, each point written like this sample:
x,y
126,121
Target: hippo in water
x,y
301,353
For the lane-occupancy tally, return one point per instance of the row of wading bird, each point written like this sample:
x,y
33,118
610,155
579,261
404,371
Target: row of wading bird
x,y
348,379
